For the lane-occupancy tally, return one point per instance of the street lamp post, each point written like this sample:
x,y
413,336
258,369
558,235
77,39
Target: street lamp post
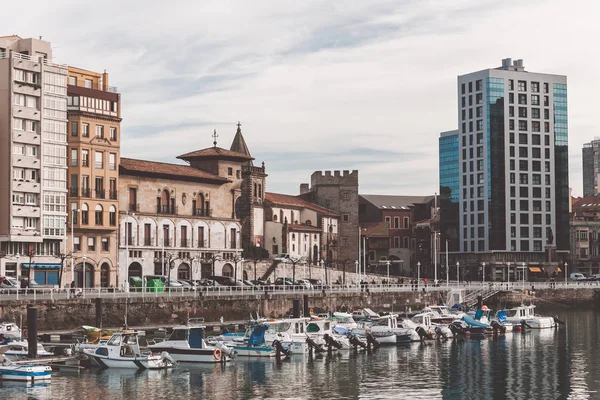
x,y
566,274
388,271
127,243
457,275
435,236
73,242
523,272
508,268
83,275
323,269
483,273
447,267
357,274
17,257
418,274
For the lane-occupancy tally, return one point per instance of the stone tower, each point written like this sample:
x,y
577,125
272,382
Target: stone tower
x,y
339,192
249,206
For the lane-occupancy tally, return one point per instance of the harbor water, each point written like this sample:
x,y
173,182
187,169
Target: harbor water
x,y
547,364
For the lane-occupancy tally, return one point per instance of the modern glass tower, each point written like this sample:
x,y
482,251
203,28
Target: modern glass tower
x,y
512,154
449,190
591,167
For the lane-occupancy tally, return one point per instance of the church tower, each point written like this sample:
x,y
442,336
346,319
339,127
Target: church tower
x,y
249,206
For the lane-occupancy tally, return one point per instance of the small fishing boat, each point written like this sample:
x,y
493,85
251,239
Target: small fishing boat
x,y
9,371
387,330
186,344
344,320
123,351
526,314
19,349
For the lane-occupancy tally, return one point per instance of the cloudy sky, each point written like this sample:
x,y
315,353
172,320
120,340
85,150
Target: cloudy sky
x,y
317,85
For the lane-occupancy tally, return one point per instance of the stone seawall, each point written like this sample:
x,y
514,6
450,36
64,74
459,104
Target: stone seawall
x,y
70,314
546,298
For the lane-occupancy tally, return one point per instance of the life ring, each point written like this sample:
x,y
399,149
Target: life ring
x,y
217,354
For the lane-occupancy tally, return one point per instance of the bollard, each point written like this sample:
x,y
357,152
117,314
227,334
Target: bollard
x,y
32,314
99,312
306,308
296,308
479,302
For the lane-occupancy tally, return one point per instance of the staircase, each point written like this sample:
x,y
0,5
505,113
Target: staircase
x,y
270,270
471,298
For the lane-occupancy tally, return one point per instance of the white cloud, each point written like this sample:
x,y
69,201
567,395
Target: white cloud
x,y
333,78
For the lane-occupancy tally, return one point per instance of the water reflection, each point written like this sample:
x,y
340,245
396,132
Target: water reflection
x,y
547,364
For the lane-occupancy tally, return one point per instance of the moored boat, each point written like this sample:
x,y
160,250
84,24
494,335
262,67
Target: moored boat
x,y
526,314
29,372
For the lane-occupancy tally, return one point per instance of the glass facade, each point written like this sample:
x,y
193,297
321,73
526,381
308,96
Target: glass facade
x,y
449,190
561,165
496,177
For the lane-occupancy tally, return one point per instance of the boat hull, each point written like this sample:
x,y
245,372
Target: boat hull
x,y
192,355
139,362
541,323
26,373
255,351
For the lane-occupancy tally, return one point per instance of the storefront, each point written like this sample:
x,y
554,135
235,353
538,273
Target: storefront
x,y
43,273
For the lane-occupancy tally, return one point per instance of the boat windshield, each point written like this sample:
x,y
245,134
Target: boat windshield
x,y
115,340
178,334
345,320
382,322
511,313
279,327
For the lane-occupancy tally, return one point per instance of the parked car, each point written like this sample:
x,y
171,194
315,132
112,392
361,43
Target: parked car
x,y
317,284
170,285
304,283
577,276
187,286
228,281
205,282
248,283
259,282
284,281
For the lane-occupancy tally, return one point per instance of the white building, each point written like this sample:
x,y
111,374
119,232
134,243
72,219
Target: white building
x,y
33,145
300,228
513,160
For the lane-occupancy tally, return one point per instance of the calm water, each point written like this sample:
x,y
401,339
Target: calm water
x,y
561,364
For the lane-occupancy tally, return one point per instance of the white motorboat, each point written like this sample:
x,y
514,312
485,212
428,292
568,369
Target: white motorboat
x,y
387,330
527,314
442,314
344,320
290,332
10,330
424,320
186,344
123,351
19,349
10,371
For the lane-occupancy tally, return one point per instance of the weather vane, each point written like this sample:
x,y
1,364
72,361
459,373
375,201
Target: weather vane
x,y
215,136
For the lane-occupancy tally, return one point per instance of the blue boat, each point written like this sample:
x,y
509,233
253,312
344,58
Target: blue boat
x,y
254,345
9,371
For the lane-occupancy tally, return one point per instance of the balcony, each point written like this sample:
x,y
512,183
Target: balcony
x,y
100,194
113,194
166,209
133,207
86,192
201,212
74,192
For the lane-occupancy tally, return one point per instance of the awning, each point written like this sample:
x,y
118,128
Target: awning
x,y
535,269
40,266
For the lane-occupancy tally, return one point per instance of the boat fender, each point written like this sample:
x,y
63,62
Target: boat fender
x,y
217,354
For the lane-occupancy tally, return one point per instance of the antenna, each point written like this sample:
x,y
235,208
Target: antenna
x,y
215,136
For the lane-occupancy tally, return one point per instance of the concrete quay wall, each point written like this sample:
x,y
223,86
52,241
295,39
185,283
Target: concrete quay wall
x,y
70,314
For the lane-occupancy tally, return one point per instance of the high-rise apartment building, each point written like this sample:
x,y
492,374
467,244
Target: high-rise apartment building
x,y
591,167
512,142
33,160
94,111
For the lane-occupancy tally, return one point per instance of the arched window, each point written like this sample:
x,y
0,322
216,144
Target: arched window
x,y
84,214
281,216
255,191
275,217
165,199
98,215
293,236
227,270
259,191
112,216
292,218
200,210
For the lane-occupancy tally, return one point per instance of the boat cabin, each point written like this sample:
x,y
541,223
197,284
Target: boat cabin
x,y
187,335
520,312
126,343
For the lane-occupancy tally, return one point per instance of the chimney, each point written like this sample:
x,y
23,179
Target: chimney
x,y
304,188
105,81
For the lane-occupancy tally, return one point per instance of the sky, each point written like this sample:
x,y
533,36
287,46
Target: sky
x,y
317,85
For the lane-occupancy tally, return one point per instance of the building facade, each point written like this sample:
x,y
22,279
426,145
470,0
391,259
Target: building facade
x,y
302,229
591,167
585,235
338,192
513,164
180,220
449,189
33,173
94,111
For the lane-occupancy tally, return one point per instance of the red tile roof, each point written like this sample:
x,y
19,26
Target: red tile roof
x,y
130,166
216,153
295,201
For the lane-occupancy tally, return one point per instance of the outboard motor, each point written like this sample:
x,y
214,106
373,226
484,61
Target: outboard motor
x,y
280,350
423,334
355,341
457,329
558,321
525,325
167,359
439,333
331,342
372,342
497,327
227,351
313,346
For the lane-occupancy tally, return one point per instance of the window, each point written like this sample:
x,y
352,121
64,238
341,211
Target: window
x,y
523,152
112,216
388,220
535,100
535,139
511,84
536,166
536,179
112,161
98,215
396,222
522,112
85,130
523,191
74,158
84,158
535,113
19,149
105,244
523,166
535,87
91,244
100,131
478,85
77,243
522,125
84,214
536,152
522,138
522,86
535,126
346,218
511,98
545,87
522,99
18,124
113,134
524,231
406,222
523,179
98,160
88,83
229,171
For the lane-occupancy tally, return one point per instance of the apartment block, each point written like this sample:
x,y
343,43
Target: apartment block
x,y
94,137
591,167
33,154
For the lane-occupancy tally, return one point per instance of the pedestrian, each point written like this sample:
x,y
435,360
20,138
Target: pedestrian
x,y
72,289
